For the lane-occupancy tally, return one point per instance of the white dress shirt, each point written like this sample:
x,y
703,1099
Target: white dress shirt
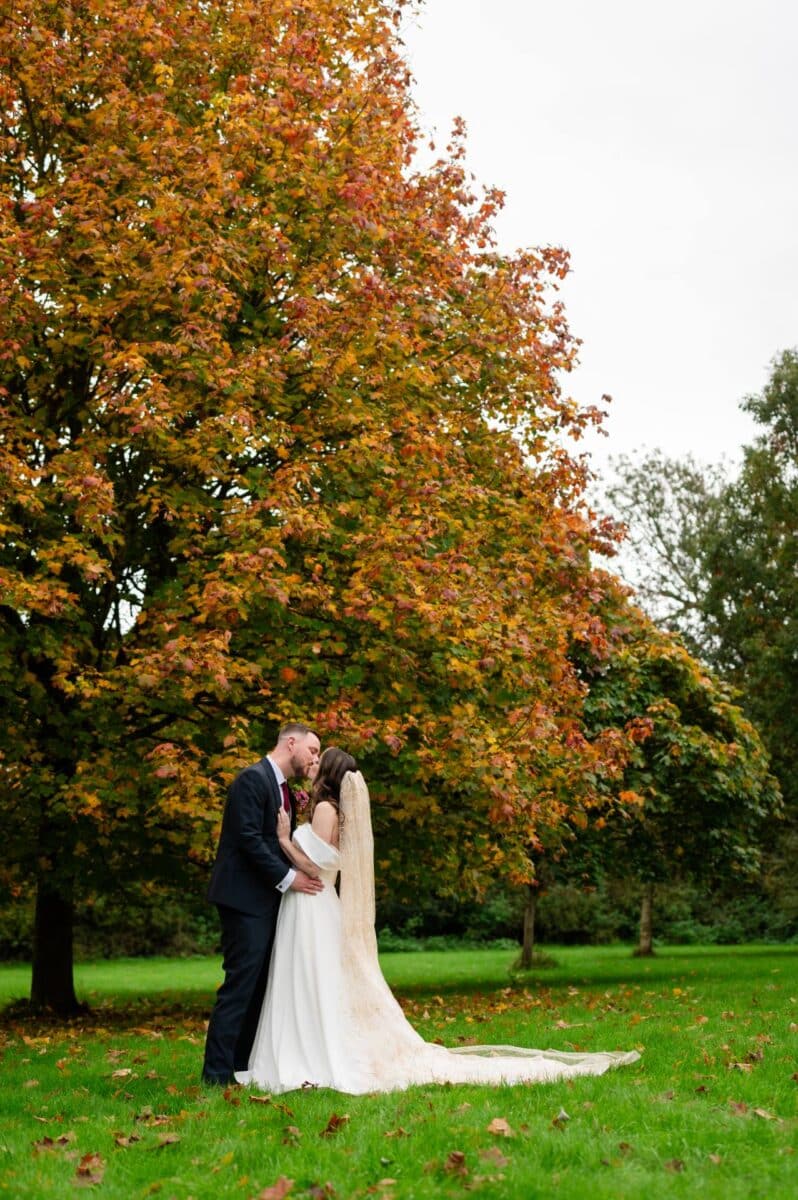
x,y
290,875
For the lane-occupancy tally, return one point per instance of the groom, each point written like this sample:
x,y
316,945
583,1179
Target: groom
x,y
249,876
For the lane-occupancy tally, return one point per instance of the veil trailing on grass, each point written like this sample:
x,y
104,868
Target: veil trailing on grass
x,y
385,1051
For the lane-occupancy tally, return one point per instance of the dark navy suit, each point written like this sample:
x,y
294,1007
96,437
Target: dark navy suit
x,y
249,865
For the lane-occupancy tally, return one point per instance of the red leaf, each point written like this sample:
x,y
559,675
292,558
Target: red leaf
x,y
334,1124
90,1170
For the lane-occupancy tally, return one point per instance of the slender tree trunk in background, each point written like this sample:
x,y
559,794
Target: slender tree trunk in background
x,y
645,947
52,985
528,944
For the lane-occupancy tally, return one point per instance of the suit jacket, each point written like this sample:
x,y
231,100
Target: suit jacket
x,y
249,862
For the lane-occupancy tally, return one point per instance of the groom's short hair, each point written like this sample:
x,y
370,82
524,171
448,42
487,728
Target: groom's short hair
x,y
294,729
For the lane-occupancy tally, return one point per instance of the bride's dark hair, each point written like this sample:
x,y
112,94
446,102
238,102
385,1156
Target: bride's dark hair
x,y
333,765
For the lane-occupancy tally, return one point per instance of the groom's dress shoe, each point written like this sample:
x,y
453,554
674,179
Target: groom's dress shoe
x,y
218,1080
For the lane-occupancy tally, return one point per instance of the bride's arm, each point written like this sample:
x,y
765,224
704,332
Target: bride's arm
x,y
296,856
325,822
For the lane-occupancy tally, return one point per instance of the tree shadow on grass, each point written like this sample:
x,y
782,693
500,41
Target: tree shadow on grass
x,y
156,1013
188,1009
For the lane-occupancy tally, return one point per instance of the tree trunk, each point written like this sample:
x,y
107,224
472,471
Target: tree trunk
x,y
528,944
52,985
645,947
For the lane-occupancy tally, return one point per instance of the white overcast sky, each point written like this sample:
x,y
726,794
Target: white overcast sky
x,y
657,142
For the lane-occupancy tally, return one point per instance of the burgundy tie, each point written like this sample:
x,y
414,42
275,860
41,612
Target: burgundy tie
x,y
286,798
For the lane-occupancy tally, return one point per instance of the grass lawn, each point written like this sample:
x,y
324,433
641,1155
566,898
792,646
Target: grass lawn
x,y
113,1102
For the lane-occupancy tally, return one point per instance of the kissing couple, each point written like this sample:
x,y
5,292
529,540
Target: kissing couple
x,y
304,1002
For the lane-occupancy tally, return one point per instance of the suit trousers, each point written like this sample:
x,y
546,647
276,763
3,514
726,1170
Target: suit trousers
x,y
246,946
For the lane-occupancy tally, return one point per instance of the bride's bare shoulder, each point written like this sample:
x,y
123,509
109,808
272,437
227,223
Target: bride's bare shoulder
x,y
325,822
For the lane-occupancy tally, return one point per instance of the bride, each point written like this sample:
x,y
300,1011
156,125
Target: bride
x,y
329,1018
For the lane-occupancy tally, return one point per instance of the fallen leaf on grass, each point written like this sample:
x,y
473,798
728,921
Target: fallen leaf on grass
x,y
224,1161
122,1073
125,1140
764,1114
89,1171
167,1139
283,1108
334,1124
29,1083
48,1143
275,1104
738,1107
455,1163
494,1155
292,1135
396,1133
148,1117
229,1095
675,1165
715,1158
625,1147
276,1192
320,1191
561,1120
500,1127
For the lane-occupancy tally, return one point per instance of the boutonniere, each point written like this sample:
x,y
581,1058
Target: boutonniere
x,y
301,799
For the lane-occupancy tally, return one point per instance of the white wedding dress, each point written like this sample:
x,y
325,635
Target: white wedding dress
x,y
329,1018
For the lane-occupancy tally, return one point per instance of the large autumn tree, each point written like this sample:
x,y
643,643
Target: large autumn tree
x,y
269,400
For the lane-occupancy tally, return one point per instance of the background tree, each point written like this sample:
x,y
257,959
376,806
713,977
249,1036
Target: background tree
x,y
269,396
666,507
701,776
737,594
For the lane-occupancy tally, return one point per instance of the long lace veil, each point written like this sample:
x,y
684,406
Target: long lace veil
x,y
356,845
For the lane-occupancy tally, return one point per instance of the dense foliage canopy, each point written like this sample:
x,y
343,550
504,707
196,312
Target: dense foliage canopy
x,y
281,436
269,394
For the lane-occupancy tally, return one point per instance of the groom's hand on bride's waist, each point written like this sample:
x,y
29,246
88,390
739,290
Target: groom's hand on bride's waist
x,y
303,883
